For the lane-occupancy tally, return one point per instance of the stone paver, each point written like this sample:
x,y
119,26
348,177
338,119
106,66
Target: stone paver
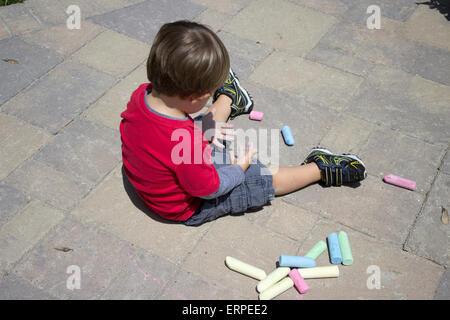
x,y
42,182
58,97
310,64
429,237
84,150
142,21
108,108
113,53
292,28
24,230
16,77
307,79
99,256
63,40
18,141
365,208
12,201
18,18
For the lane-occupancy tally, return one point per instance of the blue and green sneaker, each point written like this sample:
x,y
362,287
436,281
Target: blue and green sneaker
x,y
242,101
337,169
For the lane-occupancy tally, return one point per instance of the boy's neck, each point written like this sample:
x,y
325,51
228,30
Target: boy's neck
x,y
165,105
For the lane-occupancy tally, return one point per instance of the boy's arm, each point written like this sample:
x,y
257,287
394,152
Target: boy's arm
x,y
229,177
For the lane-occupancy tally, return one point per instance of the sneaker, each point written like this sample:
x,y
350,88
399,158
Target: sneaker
x,y
337,169
242,101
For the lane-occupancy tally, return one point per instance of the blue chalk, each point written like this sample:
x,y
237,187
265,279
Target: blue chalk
x,y
296,261
334,249
287,135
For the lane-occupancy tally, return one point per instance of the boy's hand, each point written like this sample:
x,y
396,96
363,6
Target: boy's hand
x,y
215,131
243,159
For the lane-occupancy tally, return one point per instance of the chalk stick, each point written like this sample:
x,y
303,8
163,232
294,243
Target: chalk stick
x,y
276,289
344,244
296,261
317,250
287,135
272,278
256,115
298,280
244,268
399,181
334,249
319,272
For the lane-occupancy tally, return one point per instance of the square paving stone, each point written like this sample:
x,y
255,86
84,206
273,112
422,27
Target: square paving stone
x,y
213,19
34,61
333,7
48,185
142,21
388,151
400,101
59,96
126,217
144,276
88,8
63,40
381,210
18,141
108,108
18,18
99,256
308,123
443,291
84,150
12,201
401,275
14,288
429,237
237,237
230,7
24,231
446,164
288,27
113,53
307,79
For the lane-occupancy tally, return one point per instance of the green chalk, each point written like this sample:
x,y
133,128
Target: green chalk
x,y
318,248
347,258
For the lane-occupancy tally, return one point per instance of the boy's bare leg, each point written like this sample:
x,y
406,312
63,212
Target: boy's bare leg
x,y
288,179
222,107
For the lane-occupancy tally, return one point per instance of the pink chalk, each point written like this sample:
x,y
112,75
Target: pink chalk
x,y
298,280
256,115
401,182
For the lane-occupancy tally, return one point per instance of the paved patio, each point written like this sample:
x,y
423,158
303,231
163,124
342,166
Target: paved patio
x,y
311,64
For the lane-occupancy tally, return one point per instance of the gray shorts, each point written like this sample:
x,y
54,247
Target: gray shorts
x,y
256,191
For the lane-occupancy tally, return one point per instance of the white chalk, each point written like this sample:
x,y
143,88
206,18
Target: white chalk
x,y
245,268
276,289
319,272
272,278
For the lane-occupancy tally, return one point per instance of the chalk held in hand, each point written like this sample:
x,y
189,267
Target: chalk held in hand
x,y
272,278
296,261
317,250
256,115
287,135
334,249
344,244
319,272
399,181
276,289
298,280
245,268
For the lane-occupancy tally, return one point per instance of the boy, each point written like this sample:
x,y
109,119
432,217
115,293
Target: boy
x,y
187,65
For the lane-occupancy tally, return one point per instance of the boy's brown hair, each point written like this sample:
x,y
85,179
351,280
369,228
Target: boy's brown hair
x,y
187,59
